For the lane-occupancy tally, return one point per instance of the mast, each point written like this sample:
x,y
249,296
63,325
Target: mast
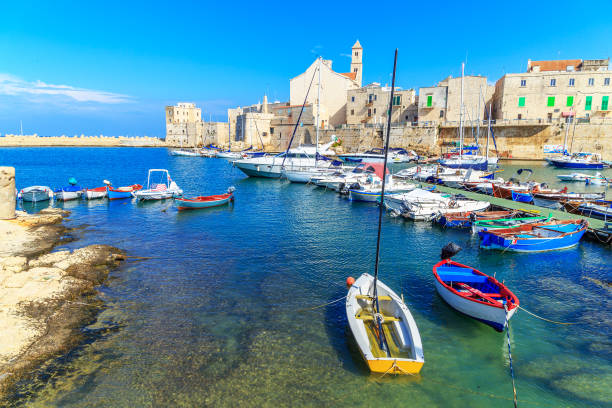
x,y
229,135
461,116
378,317
318,110
478,118
488,132
20,128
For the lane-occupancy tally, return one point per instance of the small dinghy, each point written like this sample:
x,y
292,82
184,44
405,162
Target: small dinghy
x,y
35,194
521,197
472,292
205,202
506,223
401,351
121,192
548,236
95,193
465,219
70,192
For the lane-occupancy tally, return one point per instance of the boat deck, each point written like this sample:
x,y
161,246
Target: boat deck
x,y
594,223
392,342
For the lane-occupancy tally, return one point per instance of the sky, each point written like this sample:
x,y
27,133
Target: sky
x,y
110,67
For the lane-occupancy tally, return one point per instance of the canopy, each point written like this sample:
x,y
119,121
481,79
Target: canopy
x,y
376,168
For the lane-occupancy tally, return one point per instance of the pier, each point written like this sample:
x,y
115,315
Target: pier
x,y
596,226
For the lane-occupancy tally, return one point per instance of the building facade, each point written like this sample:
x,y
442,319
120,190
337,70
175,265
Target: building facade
x,y
185,128
369,105
333,86
555,91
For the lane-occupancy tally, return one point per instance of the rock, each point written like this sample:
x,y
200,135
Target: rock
x,y
13,264
82,262
7,193
49,259
591,387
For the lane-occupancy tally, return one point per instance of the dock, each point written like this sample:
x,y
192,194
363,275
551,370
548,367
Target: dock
x,y
596,226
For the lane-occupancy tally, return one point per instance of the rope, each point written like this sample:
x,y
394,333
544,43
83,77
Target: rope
x,y
324,304
540,317
510,357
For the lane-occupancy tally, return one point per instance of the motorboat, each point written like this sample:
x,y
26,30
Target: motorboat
x,y
377,155
574,177
185,152
423,205
35,194
159,187
581,160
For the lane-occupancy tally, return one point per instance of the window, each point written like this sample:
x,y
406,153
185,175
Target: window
x,y
375,111
352,112
550,117
429,100
370,98
369,113
441,114
397,100
523,83
604,103
591,81
570,101
521,101
553,82
551,101
606,81
519,117
356,54
588,103
352,99
271,131
355,70
571,82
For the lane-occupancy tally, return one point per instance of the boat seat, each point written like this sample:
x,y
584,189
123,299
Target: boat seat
x,y
368,316
456,274
368,297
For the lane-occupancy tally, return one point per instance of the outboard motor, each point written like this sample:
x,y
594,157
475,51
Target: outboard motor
x,y
451,249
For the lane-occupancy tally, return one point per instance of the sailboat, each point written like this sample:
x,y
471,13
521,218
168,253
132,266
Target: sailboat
x,y
382,325
462,161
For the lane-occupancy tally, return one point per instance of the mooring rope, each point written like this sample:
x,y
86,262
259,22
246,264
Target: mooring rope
x,y
510,357
543,318
323,305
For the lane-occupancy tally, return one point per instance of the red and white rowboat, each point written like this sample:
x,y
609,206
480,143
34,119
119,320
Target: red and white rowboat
x,y
205,201
93,193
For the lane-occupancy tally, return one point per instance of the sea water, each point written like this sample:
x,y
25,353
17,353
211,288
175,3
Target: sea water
x,y
221,311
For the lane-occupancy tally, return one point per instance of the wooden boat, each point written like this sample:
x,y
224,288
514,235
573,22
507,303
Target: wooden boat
x,y
35,194
71,192
521,197
601,209
535,237
122,192
505,223
465,219
475,294
94,193
404,354
205,202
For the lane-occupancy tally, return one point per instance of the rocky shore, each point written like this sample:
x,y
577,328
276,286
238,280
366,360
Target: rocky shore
x,y
45,297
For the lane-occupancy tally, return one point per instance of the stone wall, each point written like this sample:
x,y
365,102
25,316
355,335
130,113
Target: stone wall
x,y
92,141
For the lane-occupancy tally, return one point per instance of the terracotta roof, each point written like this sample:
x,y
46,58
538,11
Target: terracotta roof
x,y
350,75
554,65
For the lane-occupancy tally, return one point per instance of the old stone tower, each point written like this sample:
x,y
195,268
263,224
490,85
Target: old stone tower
x,y
356,65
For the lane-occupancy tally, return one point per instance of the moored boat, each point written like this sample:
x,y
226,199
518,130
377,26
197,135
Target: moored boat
x,y
68,193
535,237
159,187
505,223
94,193
184,203
121,192
35,194
475,294
465,219
581,160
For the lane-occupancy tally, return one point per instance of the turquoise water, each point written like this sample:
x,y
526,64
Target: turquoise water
x,y
216,317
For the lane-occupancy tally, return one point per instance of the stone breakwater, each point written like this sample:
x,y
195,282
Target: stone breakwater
x,y
45,297
82,141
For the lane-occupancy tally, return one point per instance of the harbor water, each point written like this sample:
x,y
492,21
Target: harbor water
x,y
220,313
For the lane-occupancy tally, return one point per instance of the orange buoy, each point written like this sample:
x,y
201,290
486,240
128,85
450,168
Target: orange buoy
x,y
349,281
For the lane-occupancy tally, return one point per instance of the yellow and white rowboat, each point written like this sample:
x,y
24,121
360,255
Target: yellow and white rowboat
x,y
405,351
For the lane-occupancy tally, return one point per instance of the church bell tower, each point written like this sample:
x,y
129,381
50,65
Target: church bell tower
x,y
356,65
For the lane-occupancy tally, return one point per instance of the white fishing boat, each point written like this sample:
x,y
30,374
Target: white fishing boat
x,y
376,155
95,193
422,205
184,152
230,155
35,194
402,352
371,192
599,180
340,179
159,187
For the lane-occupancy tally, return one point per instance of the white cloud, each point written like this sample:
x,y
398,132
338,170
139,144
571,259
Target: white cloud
x,y
346,55
15,86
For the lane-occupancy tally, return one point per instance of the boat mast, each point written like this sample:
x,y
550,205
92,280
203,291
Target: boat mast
x,y
461,116
488,132
229,135
378,316
478,119
318,109
20,128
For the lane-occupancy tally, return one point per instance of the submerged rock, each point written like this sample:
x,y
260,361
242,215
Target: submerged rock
x,y
592,387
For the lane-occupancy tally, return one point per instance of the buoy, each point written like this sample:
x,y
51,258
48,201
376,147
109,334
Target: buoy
x,y
349,281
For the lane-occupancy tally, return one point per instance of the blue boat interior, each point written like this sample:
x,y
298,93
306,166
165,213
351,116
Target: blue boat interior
x,y
454,276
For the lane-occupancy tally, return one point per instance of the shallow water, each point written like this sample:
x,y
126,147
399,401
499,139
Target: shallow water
x,y
217,317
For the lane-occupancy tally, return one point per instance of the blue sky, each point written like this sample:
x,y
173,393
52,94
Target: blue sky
x,y
110,67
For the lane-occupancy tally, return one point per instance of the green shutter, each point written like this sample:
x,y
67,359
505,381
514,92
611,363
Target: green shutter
x,y
570,101
551,101
604,102
521,101
429,100
589,101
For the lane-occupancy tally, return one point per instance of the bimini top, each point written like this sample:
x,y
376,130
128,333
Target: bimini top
x,y
376,168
